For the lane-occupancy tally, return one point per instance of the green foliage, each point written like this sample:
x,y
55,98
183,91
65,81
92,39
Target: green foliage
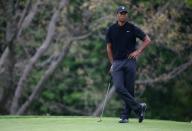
x,y
81,79
74,10
79,83
172,99
189,2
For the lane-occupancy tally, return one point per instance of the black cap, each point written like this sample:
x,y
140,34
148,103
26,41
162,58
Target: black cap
x,y
121,9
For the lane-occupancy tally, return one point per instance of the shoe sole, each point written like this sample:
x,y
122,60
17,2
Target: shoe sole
x,y
123,121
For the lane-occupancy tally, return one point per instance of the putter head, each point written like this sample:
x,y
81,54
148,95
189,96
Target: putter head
x,y
99,120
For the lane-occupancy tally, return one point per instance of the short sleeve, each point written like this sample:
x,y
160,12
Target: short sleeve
x,y
139,33
108,36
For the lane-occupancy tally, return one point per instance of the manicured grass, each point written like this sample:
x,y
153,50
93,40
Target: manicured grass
x,y
33,123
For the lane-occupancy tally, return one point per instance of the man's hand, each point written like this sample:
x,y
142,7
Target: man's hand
x,y
111,69
109,52
135,54
138,52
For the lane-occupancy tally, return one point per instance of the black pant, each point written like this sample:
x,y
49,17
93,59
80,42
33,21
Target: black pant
x,y
123,74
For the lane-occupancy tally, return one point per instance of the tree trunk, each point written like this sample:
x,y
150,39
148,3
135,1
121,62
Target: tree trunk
x,y
38,89
7,60
38,54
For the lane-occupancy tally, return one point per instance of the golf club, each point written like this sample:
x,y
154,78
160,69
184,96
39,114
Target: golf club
x,y
106,96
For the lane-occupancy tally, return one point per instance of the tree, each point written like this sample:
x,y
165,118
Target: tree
x,y
53,60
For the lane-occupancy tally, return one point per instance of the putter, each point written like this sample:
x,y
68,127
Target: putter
x,y
106,96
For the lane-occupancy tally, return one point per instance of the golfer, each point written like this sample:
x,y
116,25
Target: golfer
x,y
122,54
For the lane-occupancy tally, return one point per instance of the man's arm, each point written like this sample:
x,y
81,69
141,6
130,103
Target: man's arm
x,y
138,52
109,52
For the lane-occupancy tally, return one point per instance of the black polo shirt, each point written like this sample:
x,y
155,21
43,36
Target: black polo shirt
x,y
123,39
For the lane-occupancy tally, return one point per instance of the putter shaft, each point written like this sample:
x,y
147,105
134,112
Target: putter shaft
x,y
106,96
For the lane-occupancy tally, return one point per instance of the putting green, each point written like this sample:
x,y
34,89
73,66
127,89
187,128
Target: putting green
x,y
53,123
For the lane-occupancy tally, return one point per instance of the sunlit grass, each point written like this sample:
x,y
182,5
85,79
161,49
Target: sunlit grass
x,y
33,123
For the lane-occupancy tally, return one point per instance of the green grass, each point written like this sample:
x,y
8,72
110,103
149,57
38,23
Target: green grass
x,y
11,123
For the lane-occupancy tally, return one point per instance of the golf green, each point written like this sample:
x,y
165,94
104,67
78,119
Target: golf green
x,y
55,123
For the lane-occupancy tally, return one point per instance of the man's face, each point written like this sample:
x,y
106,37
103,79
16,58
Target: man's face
x,y
122,16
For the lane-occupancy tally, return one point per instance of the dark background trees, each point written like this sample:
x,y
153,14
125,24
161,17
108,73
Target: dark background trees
x,y
53,57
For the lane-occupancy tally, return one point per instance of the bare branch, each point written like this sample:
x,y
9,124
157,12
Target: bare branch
x,y
3,58
166,77
47,61
82,36
24,14
38,89
26,22
38,54
22,25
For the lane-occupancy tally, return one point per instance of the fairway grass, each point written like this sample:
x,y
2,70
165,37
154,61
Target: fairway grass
x,y
53,123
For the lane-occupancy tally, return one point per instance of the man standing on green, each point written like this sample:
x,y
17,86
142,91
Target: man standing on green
x,y
122,54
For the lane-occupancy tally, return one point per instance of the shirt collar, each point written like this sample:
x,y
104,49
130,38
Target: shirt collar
x,y
126,23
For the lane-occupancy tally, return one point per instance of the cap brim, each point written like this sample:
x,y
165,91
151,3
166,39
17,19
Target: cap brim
x,y
123,11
